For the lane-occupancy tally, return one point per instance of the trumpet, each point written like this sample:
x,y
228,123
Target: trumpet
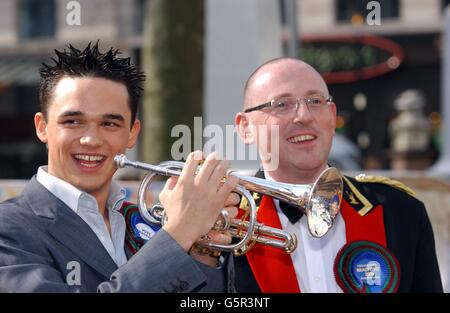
x,y
320,202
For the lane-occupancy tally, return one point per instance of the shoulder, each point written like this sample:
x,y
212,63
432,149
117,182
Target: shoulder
x,y
16,216
14,208
379,184
385,182
371,191
16,221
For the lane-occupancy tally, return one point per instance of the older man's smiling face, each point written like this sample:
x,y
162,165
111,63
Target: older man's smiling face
x,y
305,136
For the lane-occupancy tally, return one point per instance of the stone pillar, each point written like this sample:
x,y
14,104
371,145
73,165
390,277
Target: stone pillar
x,y
442,166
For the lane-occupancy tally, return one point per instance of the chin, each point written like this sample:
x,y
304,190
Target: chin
x,y
88,187
308,165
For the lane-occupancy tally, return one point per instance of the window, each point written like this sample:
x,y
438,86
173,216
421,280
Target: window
x,y
283,12
139,16
355,11
445,3
36,18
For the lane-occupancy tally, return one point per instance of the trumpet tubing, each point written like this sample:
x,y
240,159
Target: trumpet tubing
x,y
266,235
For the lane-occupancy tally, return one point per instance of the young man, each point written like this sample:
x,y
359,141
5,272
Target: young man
x,y
381,240
66,231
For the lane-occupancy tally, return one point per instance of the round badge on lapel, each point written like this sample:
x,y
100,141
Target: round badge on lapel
x,y
141,229
366,267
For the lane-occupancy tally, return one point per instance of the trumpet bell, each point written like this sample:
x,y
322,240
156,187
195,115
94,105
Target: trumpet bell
x,y
324,202
320,202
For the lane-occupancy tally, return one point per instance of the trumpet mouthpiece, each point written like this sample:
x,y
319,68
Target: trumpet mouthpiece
x,y
119,160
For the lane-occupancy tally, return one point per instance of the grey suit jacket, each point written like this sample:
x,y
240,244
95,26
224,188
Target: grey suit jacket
x,y
46,247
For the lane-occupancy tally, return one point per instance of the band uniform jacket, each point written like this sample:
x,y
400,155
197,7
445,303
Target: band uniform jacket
x,y
408,234
46,247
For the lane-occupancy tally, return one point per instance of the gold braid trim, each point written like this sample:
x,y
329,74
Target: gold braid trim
x,y
363,178
244,203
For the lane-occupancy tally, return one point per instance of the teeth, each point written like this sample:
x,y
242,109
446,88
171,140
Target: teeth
x,y
301,138
89,165
89,158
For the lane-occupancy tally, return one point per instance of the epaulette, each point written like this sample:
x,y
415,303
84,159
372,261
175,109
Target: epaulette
x,y
244,203
363,178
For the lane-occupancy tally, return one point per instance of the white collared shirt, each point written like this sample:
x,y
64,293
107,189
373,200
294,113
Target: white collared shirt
x,y
313,259
86,207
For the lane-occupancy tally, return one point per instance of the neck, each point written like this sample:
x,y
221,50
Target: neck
x,y
297,176
102,197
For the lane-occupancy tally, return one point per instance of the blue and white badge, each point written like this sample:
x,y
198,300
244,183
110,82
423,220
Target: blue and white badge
x,y
141,229
366,267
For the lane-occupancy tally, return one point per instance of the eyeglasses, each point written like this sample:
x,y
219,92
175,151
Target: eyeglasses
x,y
286,105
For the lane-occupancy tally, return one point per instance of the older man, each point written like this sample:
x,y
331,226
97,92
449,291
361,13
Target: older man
x,y
381,241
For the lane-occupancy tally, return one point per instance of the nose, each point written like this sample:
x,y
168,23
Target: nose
x,y
92,137
302,113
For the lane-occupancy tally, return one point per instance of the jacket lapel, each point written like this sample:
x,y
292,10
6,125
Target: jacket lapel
x,y
128,252
68,228
363,213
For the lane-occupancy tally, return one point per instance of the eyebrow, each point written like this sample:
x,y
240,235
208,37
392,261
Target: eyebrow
x,y
284,94
109,116
308,93
71,113
314,92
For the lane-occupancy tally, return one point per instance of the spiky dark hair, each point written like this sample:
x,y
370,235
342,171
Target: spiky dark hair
x,y
91,62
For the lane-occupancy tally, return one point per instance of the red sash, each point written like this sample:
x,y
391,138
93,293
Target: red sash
x,y
273,268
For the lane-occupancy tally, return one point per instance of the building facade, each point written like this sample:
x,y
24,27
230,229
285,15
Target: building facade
x,y
29,32
370,52
331,35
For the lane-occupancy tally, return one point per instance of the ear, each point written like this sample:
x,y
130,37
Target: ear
x,y
333,116
41,126
134,133
244,128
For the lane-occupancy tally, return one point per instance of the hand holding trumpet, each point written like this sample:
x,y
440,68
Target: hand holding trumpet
x,y
193,202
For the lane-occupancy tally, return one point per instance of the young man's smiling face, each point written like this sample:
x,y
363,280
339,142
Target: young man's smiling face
x,y
88,122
